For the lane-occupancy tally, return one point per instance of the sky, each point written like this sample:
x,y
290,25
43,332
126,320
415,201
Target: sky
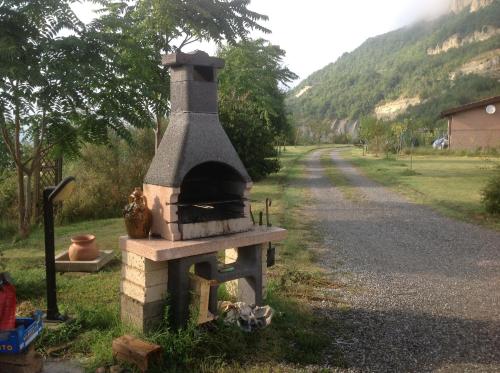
x,y
315,33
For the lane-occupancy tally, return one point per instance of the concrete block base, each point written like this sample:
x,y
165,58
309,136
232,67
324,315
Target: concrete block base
x,y
142,316
152,268
143,288
236,287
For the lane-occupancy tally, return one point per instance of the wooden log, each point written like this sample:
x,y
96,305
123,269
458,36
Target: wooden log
x,y
136,351
200,289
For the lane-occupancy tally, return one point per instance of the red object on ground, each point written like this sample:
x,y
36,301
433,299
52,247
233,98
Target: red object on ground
x,y
7,306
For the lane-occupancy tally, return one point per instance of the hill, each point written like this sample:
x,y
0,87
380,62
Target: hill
x,y
414,72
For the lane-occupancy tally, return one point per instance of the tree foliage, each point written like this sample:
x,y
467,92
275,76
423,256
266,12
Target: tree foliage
x,y
374,133
63,84
251,102
37,100
54,77
138,33
107,174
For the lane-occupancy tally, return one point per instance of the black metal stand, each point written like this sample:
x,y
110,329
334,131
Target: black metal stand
x,y
50,261
51,195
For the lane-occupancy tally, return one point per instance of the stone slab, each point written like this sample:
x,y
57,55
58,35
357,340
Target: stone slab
x,y
143,310
141,315
63,264
144,294
144,279
140,262
230,256
62,366
214,228
158,250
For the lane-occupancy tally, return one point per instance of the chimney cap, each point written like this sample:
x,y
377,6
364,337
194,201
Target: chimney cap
x,y
196,58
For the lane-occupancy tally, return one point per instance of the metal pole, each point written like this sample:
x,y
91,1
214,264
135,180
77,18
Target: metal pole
x,y
50,264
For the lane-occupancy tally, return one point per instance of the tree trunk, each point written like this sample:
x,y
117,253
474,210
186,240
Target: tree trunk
x,y
22,227
35,203
35,176
29,201
157,132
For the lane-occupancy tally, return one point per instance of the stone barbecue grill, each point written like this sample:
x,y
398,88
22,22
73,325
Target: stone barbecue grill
x,y
198,191
197,185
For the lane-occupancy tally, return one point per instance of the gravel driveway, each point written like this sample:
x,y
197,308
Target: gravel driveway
x,y
423,290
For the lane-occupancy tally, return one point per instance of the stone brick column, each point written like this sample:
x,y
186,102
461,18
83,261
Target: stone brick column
x,y
143,291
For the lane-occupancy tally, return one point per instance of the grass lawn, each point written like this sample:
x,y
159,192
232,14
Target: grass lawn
x,y
451,184
296,338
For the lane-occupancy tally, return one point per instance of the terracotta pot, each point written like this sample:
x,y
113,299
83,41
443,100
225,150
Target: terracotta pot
x,y
83,248
137,215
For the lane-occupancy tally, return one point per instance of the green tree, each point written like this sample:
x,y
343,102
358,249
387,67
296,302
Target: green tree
x,y
374,133
139,33
251,102
398,131
30,104
5,161
51,95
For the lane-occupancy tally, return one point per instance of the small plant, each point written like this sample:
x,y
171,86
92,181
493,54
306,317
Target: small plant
x,y
491,194
409,172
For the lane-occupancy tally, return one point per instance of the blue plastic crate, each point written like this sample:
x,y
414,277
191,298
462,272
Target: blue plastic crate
x,y
17,340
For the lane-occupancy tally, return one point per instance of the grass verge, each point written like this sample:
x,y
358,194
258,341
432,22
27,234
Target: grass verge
x,y
338,178
451,184
297,337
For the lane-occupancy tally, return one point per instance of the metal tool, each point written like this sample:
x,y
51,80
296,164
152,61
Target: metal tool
x,y
268,204
251,215
271,250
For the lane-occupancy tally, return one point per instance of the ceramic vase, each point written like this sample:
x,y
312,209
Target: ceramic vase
x,y
83,248
137,215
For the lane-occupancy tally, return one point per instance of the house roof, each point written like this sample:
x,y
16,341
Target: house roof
x,y
473,105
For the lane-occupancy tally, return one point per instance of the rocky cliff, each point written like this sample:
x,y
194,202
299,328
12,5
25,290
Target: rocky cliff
x,y
457,41
486,64
473,5
390,110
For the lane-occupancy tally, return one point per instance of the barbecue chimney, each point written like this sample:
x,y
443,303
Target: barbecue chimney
x,y
196,185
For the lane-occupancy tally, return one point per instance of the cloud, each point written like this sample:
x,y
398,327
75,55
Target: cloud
x,y
417,10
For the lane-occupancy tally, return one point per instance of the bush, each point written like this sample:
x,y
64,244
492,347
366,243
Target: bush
x,y
491,194
8,203
106,175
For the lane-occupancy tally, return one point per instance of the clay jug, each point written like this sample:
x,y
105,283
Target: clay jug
x,y
137,215
83,248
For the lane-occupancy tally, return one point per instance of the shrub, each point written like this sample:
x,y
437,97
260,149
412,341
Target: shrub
x,y
106,175
8,203
491,194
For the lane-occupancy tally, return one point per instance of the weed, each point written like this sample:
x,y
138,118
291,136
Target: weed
x,y
408,172
338,178
447,181
491,194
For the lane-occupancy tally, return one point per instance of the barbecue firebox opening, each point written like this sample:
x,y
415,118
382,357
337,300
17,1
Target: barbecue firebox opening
x,y
211,191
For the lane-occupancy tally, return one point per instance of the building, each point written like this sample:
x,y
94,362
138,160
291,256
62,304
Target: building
x,y
475,125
